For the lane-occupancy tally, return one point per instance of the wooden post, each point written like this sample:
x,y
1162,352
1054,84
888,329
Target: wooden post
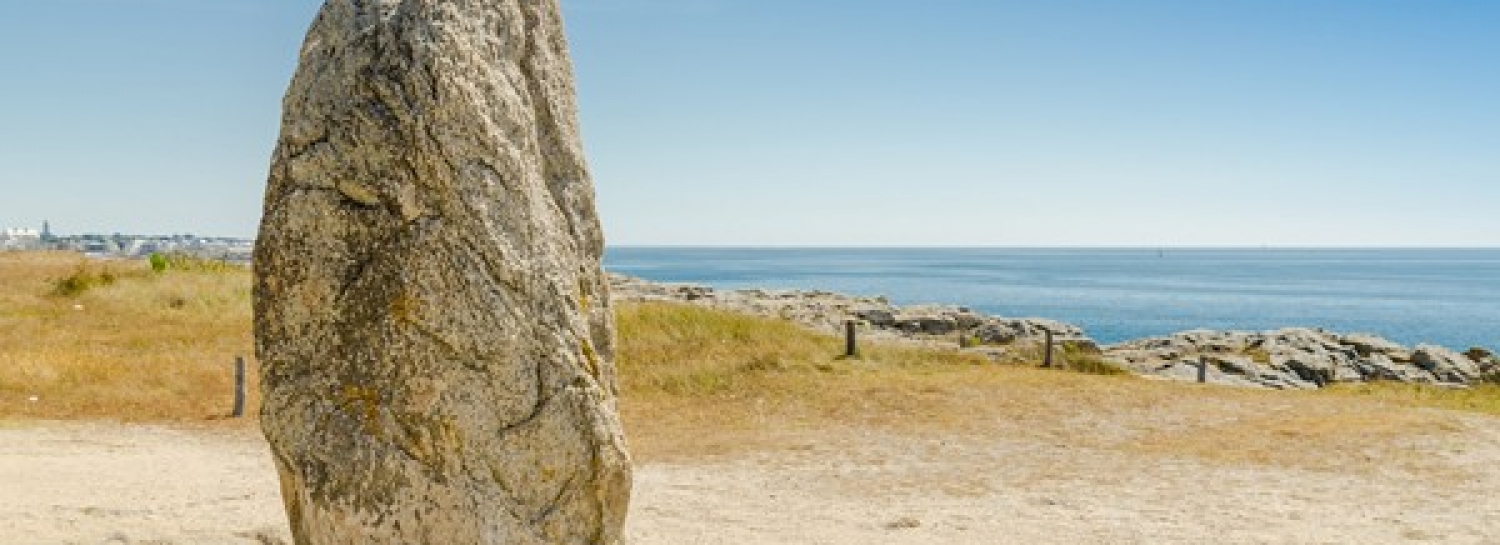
x,y
1047,357
851,339
1202,369
239,387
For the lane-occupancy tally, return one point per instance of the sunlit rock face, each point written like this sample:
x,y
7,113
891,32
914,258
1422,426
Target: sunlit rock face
x,y
431,318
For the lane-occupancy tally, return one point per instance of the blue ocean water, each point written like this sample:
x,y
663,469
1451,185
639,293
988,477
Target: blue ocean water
x,y
1449,297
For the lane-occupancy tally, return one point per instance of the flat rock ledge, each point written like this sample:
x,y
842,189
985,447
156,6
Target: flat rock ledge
x,y
1294,358
1300,358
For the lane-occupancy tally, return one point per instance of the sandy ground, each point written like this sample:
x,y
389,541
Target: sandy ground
x,y
100,483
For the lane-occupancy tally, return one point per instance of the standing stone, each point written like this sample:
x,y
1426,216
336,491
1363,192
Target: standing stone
x,y
432,320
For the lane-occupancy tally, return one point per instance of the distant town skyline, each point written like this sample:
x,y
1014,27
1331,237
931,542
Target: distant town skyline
x,y
778,123
121,245
45,230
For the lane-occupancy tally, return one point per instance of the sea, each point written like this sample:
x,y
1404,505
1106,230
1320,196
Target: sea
x,y
1449,297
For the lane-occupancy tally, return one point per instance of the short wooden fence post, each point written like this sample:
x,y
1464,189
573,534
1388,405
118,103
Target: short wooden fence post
x,y
1202,369
1047,357
239,387
851,339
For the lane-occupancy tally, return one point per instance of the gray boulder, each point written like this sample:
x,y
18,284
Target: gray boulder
x,y
878,317
1009,330
1382,367
926,324
1446,365
1368,345
968,320
434,327
1489,364
998,332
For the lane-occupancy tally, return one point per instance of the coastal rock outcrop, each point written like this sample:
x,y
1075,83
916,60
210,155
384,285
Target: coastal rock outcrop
x,y
1299,358
435,330
827,311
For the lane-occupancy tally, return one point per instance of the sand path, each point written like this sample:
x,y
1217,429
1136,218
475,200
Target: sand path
x,y
101,483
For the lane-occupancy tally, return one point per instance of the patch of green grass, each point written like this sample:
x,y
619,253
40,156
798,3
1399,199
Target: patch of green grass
x,y
158,263
83,278
188,263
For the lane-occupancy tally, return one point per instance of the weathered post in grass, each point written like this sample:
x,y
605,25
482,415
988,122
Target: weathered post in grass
x,y
851,339
1202,369
1047,355
239,387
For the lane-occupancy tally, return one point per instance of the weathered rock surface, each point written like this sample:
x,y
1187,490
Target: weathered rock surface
x,y
1299,358
434,327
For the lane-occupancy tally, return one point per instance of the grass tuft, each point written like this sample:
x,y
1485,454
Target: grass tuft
x,y
1092,364
82,279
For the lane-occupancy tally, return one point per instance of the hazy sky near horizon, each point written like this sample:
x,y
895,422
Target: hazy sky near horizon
x,y
869,122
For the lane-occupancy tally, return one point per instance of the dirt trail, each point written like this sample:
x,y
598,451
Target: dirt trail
x,y
100,483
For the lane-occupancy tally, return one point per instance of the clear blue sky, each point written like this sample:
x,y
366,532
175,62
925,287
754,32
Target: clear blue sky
x,y
869,122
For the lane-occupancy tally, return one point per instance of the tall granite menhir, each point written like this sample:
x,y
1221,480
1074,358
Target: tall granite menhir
x,y
431,316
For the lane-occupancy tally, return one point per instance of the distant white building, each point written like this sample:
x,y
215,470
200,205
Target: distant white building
x,y
20,239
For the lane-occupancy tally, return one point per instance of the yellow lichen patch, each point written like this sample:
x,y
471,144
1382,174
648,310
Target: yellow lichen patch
x,y
592,357
404,307
363,403
583,296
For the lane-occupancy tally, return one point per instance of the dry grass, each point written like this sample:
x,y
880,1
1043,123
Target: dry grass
x,y
696,382
690,351
699,382
138,346
1482,398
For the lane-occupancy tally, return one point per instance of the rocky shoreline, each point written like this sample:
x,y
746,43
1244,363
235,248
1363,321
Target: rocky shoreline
x,y
1293,358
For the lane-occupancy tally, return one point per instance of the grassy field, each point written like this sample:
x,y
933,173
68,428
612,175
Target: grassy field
x,y
115,340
